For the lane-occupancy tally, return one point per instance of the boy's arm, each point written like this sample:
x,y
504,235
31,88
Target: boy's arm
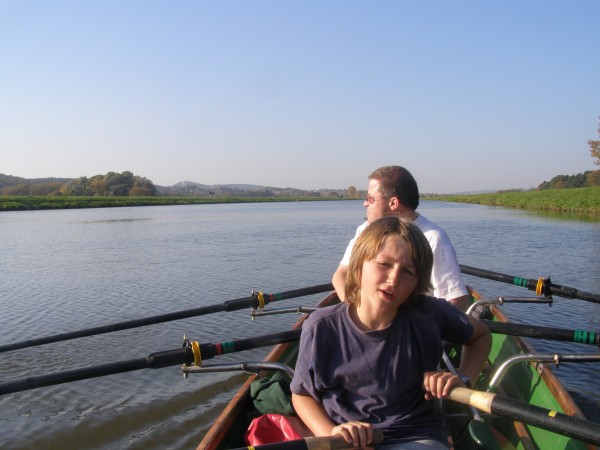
x,y
312,414
475,352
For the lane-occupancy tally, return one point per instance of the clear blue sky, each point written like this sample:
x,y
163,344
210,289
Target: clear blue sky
x,y
468,95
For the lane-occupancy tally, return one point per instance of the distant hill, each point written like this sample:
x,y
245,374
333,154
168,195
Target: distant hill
x,y
239,187
10,180
12,185
186,188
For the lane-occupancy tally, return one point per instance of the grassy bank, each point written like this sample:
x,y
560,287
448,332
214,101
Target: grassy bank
x,y
583,201
24,203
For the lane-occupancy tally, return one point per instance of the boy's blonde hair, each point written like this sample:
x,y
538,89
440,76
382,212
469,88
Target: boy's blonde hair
x,y
369,244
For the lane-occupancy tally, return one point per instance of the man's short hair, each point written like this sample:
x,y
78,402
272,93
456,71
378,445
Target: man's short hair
x,y
396,181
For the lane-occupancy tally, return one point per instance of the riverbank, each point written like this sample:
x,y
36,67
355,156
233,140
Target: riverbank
x,y
27,203
580,201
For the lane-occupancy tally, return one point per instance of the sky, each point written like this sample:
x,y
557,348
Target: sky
x,y
468,95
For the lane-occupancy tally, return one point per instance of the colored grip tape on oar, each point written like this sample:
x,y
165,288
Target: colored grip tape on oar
x,y
524,282
518,281
225,347
584,337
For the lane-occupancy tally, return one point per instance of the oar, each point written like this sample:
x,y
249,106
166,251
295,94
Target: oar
x,y
480,431
314,443
256,300
570,426
191,353
540,332
542,286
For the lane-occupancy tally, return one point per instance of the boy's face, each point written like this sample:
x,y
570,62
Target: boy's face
x,y
388,280
376,205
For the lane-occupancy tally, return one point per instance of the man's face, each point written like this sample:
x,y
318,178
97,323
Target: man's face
x,y
376,205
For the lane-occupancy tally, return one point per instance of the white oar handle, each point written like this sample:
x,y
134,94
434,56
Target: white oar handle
x,y
554,421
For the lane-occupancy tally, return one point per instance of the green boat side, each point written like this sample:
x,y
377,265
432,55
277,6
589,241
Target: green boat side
x,y
533,383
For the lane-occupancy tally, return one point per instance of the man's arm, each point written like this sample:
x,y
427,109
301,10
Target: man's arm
x,y
339,281
461,303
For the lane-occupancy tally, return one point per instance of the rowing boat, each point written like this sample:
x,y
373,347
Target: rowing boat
x,y
529,382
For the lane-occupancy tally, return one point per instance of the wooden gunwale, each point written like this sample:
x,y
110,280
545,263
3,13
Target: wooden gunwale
x,y
239,402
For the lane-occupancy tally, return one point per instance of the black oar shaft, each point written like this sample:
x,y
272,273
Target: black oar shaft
x,y
549,288
209,351
230,305
115,327
554,421
541,332
314,443
152,361
184,355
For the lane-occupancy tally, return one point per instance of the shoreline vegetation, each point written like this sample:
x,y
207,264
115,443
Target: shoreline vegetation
x,y
29,203
574,201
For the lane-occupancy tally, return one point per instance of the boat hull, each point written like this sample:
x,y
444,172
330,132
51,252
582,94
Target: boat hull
x,y
531,383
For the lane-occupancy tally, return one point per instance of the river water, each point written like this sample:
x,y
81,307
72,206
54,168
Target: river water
x,y
72,269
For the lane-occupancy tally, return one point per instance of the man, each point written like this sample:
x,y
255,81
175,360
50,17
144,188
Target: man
x,y
392,189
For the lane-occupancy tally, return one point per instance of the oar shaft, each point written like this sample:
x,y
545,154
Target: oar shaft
x,y
315,443
554,421
183,355
115,327
71,375
540,332
209,351
230,305
551,288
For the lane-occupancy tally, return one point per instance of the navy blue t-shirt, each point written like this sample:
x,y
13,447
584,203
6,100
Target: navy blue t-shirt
x,y
377,376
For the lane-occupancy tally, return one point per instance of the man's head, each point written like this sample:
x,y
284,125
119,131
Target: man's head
x,y
391,189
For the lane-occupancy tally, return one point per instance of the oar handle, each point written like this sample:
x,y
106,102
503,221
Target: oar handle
x,y
554,421
314,443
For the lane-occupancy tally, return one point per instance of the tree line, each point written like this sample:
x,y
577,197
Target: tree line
x,y
109,184
586,179
127,184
